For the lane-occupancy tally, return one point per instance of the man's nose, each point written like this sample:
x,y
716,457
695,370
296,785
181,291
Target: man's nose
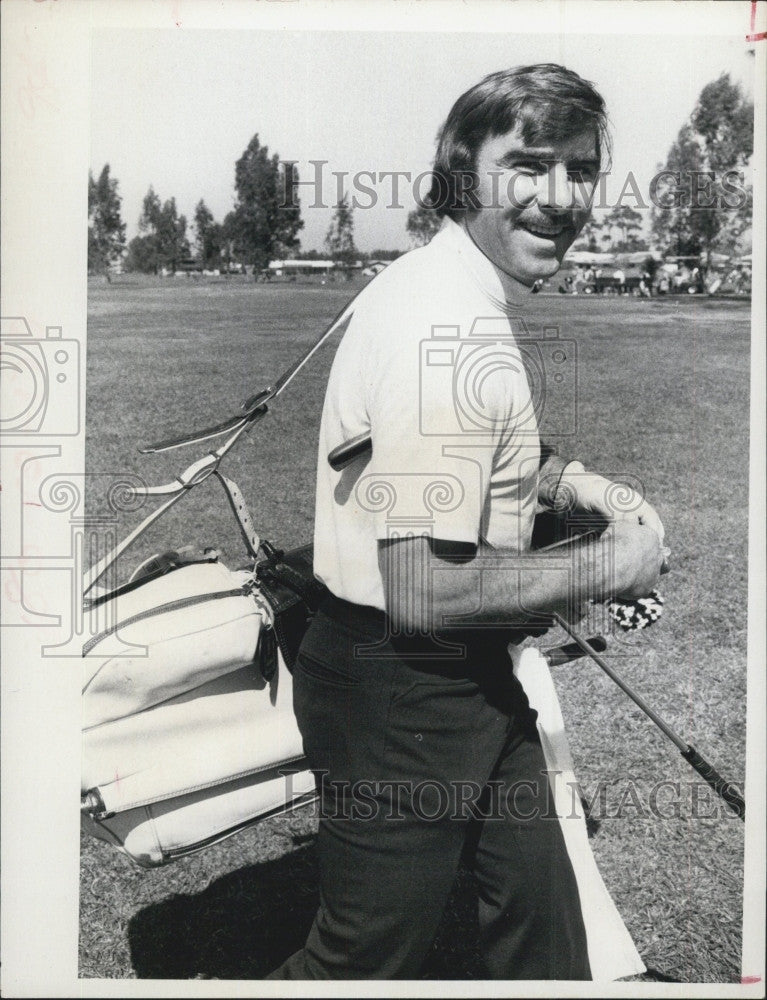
x,y
555,189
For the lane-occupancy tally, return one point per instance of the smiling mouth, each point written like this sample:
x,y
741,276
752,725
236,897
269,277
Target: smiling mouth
x,y
546,232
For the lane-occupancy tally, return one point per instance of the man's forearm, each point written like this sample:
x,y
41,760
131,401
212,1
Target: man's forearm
x,y
425,591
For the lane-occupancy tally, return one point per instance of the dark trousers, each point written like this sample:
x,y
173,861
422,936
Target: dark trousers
x,y
419,756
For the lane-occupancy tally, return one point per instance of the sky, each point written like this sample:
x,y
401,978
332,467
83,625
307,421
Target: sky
x,y
176,108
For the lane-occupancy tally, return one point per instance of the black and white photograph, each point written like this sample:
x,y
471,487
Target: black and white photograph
x,y
383,499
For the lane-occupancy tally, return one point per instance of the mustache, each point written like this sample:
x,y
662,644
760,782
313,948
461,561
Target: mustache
x,y
545,223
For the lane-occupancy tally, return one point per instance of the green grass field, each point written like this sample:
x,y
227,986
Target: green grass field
x,y
663,394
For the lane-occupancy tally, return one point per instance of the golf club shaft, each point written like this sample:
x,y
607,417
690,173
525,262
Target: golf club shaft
x,y
572,651
637,699
723,788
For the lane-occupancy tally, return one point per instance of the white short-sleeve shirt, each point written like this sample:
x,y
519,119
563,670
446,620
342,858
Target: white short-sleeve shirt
x,y
430,368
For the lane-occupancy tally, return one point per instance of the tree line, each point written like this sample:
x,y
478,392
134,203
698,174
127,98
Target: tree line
x,y
694,211
262,226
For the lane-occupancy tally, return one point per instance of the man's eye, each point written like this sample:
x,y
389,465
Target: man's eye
x,y
582,176
532,167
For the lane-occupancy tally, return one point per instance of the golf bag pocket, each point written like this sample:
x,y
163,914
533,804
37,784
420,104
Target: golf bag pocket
x,y
167,636
185,734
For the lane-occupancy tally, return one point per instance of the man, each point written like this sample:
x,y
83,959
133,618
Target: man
x,y
403,689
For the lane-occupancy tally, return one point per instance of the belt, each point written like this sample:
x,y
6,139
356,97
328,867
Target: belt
x,y
373,621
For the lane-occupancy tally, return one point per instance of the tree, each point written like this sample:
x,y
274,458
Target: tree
x,y
162,242
629,222
106,230
142,255
173,244
589,236
266,218
701,203
724,120
149,224
339,242
385,254
209,236
422,224
672,220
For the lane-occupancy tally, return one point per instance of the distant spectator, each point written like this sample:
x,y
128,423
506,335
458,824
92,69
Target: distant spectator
x,y
651,267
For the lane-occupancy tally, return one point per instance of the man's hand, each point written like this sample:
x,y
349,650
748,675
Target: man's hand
x,y
605,500
637,558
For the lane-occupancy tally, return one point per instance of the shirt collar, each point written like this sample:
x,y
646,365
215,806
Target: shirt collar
x,y
481,269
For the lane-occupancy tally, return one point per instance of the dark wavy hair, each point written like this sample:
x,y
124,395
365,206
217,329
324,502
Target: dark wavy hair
x,y
550,102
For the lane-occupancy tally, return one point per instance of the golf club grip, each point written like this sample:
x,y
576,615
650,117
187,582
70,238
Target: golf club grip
x,y
572,651
722,788
345,453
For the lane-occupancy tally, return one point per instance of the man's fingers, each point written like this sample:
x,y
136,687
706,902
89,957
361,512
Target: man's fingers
x,y
665,566
648,516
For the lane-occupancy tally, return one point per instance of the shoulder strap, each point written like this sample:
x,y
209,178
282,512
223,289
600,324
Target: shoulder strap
x,y
241,513
254,408
236,502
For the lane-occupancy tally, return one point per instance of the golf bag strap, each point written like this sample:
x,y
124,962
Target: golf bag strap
x,y
241,513
236,502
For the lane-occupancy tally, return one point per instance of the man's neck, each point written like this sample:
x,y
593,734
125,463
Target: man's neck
x,y
514,291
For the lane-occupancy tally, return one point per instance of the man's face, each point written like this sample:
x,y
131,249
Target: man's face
x,y
533,201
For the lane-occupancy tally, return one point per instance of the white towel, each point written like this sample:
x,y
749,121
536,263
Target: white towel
x,y
612,953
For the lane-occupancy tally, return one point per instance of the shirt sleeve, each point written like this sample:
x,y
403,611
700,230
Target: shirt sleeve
x,y
432,455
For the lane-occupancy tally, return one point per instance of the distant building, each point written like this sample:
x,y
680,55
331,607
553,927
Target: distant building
x,y
188,265
283,267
